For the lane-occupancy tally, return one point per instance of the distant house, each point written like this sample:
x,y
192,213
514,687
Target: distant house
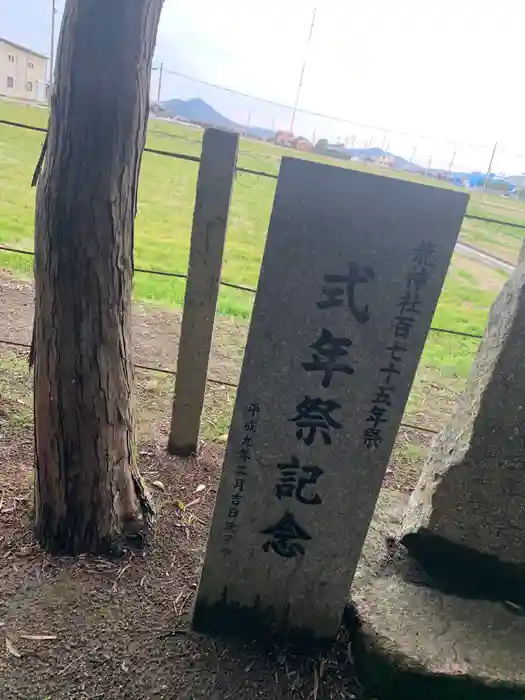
x,y
22,72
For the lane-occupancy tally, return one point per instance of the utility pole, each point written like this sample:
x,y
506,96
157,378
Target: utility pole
x,y
452,161
300,85
161,70
52,51
489,169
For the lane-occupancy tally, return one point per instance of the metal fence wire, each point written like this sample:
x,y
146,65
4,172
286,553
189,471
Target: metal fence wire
x,y
231,285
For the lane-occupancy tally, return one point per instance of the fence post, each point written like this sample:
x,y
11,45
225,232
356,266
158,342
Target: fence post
x,y
210,218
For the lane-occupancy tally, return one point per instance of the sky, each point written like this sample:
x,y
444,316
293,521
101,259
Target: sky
x,y
445,70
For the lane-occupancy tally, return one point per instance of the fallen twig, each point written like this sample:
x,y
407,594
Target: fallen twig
x,y
179,612
63,670
119,574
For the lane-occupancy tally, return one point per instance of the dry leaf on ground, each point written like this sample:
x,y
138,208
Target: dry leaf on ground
x,y
11,649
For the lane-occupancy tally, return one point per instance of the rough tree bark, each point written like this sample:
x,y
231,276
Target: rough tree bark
x,y
89,495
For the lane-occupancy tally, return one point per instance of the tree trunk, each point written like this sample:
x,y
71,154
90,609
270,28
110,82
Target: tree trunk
x,y
89,495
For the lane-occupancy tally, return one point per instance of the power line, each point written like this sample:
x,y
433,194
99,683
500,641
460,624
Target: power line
x,y
320,115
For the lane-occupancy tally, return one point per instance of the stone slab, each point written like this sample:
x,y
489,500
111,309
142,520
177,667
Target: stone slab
x,y
470,499
352,271
415,641
208,233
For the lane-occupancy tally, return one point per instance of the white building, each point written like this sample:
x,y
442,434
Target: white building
x,y
23,72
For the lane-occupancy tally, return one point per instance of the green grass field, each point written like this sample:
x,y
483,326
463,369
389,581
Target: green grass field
x,y
166,199
167,191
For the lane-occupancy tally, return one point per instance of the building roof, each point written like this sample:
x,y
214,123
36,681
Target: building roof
x,y
23,48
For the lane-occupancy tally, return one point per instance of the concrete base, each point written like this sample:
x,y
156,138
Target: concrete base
x,y
415,641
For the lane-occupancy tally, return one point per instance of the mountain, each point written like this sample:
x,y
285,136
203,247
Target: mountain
x,y
196,110
200,112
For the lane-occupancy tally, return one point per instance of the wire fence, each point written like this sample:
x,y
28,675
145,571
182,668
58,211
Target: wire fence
x,y
250,290
155,151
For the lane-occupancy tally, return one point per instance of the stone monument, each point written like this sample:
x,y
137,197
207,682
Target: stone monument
x,y
352,271
466,518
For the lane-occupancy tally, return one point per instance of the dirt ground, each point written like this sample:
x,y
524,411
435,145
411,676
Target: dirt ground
x,y
155,332
90,627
